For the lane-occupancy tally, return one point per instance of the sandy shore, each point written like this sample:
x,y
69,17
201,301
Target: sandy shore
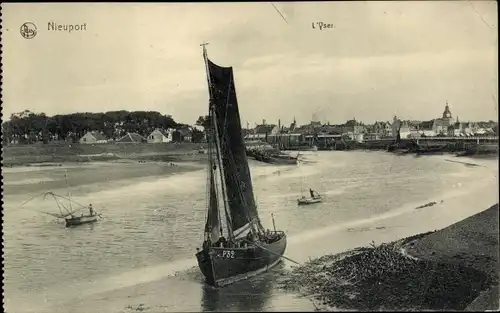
x,y
36,168
455,268
96,175
25,155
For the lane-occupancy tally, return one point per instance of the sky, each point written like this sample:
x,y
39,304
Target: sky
x,y
379,59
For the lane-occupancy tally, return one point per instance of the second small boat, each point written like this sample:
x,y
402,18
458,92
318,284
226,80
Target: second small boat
x,y
314,198
305,201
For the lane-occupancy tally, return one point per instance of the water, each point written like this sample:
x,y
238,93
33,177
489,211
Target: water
x,y
140,257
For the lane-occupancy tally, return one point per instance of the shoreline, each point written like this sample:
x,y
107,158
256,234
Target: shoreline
x,y
25,155
36,155
455,268
59,160
89,176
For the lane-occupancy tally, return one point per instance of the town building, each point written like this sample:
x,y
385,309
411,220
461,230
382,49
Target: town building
x,y
293,126
93,137
132,138
358,137
383,129
270,129
371,136
183,134
353,126
440,126
401,126
425,129
161,136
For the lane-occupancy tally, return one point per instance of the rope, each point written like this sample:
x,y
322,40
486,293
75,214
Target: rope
x,y
221,172
26,202
59,204
83,206
281,256
39,211
208,189
213,175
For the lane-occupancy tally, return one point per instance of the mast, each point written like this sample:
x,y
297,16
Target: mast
x,y
301,182
69,192
279,136
217,142
213,225
210,180
215,185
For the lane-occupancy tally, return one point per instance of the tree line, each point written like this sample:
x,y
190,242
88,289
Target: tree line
x,y
28,127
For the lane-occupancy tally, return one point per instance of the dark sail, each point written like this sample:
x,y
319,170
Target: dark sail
x,y
236,171
212,227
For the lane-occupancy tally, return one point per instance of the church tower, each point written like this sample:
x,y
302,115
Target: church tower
x,y
447,112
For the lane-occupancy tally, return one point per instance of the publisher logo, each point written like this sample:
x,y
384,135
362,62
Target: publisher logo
x,y
28,30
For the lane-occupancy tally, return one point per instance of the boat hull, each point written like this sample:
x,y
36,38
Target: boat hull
x,y
79,220
286,160
275,159
224,266
308,201
429,151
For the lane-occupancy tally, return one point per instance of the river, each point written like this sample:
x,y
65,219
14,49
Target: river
x,y
140,256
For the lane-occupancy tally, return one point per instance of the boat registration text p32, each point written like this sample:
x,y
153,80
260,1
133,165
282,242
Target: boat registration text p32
x,y
227,254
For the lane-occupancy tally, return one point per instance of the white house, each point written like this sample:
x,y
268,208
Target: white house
x,y
160,136
264,128
463,129
358,137
93,137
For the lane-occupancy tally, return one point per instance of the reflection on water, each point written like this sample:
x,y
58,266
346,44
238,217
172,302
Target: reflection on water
x,y
142,251
250,295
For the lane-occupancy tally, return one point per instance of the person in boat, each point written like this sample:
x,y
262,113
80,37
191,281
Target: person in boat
x,y
222,242
269,236
311,192
206,244
251,237
91,210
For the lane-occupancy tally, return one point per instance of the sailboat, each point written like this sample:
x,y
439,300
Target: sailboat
x,y
243,248
396,146
68,214
310,200
315,197
280,157
73,220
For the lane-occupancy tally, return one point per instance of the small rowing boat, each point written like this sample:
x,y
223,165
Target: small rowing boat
x,y
309,200
314,197
79,220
